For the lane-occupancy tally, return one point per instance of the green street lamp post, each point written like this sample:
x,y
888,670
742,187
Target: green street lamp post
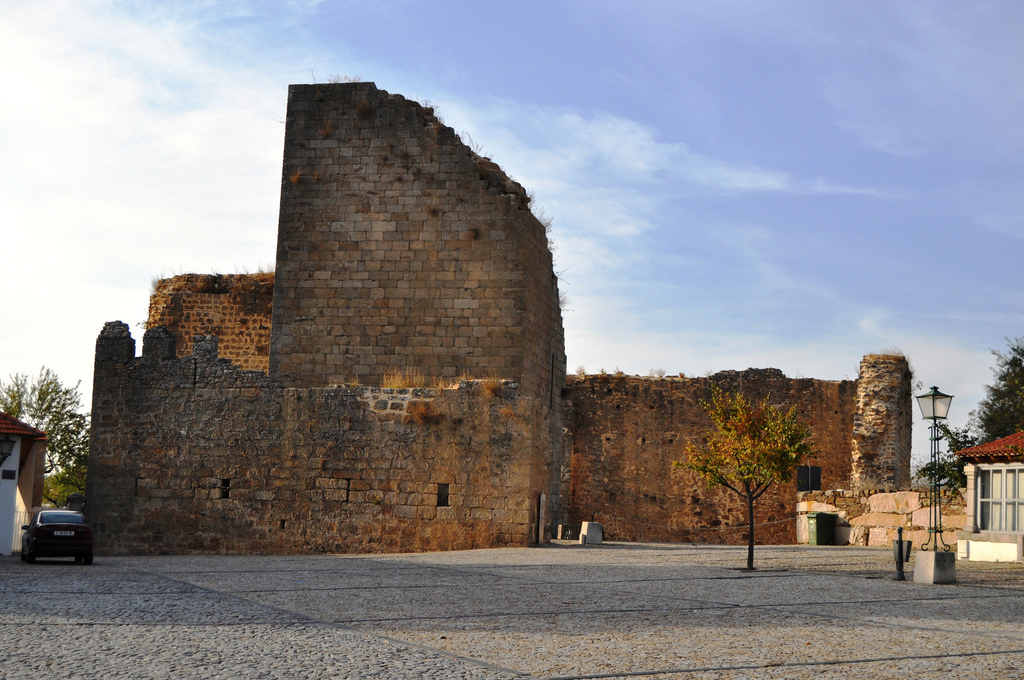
x,y
934,407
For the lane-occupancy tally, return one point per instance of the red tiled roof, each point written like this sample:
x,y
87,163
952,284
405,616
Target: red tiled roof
x,y
1000,448
9,425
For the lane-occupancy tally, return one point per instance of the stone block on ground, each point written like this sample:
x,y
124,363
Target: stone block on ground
x,y
879,519
878,537
899,501
591,533
843,535
815,506
802,535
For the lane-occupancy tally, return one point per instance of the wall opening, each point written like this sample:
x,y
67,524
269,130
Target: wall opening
x,y
808,478
225,488
442,495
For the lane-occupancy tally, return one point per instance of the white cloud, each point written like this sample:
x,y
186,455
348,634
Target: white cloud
x,y
127,152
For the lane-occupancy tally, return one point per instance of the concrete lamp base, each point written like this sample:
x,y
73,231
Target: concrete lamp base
x,y
934,567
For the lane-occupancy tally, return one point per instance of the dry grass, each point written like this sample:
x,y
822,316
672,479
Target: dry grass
x,y
325,130
405,377
508,412
484,168
295,177
423,412
492,388
365,109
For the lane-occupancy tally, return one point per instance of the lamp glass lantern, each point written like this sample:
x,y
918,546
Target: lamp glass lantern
x,y
934,404
6,448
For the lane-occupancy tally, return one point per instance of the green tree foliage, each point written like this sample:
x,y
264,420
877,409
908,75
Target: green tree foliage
x,y
749,447
45,403
949,471
1001,412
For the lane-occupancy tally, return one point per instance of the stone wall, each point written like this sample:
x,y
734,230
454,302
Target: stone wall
x,y
235,308
399,248
882,424
871,517
196,455
625,432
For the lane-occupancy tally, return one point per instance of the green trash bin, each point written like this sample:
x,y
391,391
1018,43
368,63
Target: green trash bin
x,y
820,528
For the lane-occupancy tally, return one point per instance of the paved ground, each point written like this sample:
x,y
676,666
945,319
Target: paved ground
x,y
564,611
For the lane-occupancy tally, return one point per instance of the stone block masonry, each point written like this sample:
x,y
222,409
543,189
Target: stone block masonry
x,y
255,420
626,432
399,248
235,308
870,516
195,455
882,424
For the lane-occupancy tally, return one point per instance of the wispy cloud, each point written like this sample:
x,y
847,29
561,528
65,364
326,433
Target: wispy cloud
x,y
134,153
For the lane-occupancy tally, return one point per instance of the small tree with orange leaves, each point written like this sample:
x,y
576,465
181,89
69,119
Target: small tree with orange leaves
x,y
749,447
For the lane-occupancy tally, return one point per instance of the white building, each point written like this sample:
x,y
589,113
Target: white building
x,y
994,531
22,461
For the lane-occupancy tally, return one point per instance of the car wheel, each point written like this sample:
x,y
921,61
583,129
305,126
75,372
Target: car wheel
x,y
31,557
79,558
88,558
24,557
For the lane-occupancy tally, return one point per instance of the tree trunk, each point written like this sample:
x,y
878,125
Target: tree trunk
x,y
750,535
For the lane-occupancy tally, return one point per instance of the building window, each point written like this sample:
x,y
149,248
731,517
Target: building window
x,y
1001,499
808,478
442,495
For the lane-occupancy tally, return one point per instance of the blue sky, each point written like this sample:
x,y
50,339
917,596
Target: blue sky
x,y
732,184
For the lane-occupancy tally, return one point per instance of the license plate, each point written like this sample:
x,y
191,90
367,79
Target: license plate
x,y
63,533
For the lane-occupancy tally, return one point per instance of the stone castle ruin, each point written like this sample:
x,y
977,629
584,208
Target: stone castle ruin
x,y
399,383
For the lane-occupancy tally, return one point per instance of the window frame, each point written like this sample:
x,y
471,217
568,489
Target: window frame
x,y
1000,510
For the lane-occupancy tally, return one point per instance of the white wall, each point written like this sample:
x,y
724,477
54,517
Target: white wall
x,y
9,499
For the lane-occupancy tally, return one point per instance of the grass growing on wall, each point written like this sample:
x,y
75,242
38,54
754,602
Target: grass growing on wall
x,y
405,377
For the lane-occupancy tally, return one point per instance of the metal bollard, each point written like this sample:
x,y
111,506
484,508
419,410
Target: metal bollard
x,y
898,555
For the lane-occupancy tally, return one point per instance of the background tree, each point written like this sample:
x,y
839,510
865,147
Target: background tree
x,y
749,447
45,403
1001,412
949,470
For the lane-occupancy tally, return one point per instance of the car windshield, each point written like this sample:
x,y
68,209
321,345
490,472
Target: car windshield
x,y
61,518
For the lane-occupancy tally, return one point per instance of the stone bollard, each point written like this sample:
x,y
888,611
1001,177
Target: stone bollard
x,y
591,533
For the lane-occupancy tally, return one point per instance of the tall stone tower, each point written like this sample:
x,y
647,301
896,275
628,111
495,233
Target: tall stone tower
x,y
398,247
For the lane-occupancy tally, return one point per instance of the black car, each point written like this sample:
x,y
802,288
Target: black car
x,y
57,533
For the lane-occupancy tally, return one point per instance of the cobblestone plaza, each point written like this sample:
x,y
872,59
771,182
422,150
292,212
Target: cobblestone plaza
x,y
562,611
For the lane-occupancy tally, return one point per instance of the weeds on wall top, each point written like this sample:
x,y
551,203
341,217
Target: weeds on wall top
x,y
405,377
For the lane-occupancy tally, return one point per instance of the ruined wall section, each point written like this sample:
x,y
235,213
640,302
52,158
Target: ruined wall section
x,y
193,455
399,247
626,432
883,423
235,308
